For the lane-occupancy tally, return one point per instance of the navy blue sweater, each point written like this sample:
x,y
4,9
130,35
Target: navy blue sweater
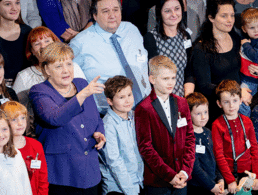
x,y
205,172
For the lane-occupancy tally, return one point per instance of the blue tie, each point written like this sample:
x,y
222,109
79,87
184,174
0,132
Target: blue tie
x,y
128,71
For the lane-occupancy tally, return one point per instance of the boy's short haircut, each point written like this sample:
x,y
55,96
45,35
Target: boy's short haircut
x,y
160,61
230,86
115,85
196,99
249,15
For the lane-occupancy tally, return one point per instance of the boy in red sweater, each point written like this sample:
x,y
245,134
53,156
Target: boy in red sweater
x,y
234,142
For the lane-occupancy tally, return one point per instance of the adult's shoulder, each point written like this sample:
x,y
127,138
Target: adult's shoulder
x,y
24,73
198,46
85,34
149,36
25,29
39,87
80,82
235,37
129,27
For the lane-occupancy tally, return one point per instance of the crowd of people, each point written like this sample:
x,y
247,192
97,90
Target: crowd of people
x,y
91,104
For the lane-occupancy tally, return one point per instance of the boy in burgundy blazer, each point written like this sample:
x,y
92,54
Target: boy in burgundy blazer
x,y
165,133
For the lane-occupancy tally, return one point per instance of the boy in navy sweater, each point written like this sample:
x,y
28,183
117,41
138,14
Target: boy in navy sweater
x,y
206,178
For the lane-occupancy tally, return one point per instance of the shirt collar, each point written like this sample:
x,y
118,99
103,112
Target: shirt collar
x,y
162,102
117,118
106,35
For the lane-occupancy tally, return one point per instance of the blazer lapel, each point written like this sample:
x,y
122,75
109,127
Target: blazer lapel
x,y
157,106
174,113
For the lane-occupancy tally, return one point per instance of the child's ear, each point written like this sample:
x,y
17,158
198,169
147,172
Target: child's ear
x,y
152,79
110,102
243,29
218,103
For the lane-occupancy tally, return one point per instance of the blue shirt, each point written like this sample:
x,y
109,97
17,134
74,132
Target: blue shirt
x,y
121,164
96,55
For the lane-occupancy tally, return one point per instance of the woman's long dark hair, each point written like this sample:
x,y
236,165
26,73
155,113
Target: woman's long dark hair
x,y
160,28
207,39
2,85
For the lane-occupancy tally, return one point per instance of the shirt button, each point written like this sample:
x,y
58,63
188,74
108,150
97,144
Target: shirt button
x,y
85,139
82,126
176,159
86,153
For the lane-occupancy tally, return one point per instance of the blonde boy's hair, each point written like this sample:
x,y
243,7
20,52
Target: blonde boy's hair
x,y
249,15
158,62
13,109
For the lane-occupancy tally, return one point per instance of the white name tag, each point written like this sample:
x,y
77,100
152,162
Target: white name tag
x,y
200,149
4,100
248,145
189,31
187,43
181,122
141,58
35,164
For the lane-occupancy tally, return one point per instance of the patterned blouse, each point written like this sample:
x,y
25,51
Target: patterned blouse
x,y
174,48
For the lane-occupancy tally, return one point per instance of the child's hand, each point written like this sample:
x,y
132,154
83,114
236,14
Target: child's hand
x,y
182,177
216,189
243,41
177,182
232,187
255,184
221,186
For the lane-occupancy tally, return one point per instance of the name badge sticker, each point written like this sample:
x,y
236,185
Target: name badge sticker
x,y
200,149
35,164
248,145
4,100
189,31
187,43
140,57
181,122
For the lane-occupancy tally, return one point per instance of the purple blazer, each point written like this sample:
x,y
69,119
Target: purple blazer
x,y
65,130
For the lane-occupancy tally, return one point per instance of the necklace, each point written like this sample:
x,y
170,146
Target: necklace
x,y
67,91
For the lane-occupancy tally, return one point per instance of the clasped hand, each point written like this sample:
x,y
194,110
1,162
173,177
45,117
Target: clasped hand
x,y
179,181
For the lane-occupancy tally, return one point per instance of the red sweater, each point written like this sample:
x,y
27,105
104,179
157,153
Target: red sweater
x,y
222,147
38,177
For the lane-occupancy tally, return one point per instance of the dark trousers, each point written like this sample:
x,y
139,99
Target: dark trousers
x,y
68,190
165,191
193,190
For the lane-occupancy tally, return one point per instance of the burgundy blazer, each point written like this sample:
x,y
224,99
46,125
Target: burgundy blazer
x,y
164,153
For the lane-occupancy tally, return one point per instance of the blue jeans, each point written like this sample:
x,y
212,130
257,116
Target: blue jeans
x,y
149,190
